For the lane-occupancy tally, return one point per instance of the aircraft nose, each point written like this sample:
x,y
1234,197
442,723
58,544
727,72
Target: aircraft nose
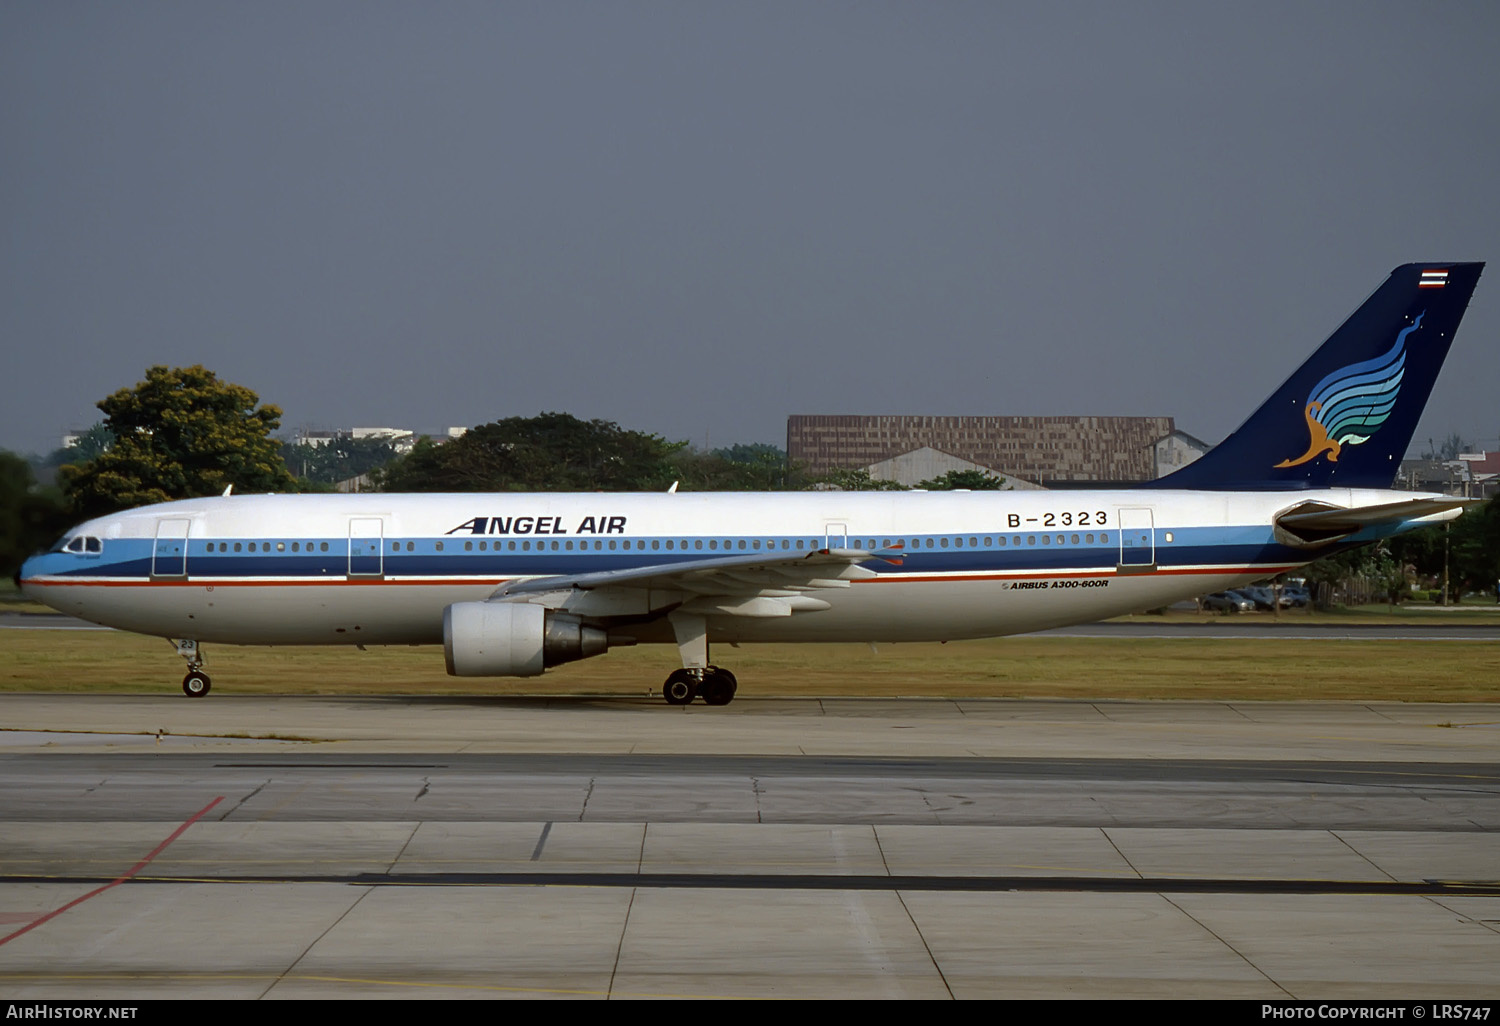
x,y
25,572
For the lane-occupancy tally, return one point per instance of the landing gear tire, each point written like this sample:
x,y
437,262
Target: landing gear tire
x,y
681,688
718,687
196,684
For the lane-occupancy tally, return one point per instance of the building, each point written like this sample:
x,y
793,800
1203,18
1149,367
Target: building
x,y
912,468
1040,450
1172,452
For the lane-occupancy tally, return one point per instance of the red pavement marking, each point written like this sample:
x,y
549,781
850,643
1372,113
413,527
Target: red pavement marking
x,y
121,879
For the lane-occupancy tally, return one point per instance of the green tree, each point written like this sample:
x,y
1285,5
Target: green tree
x,y
30,515
1468,546
845,479
973,480
764,466
337,460
553,452
180,433
87,446
738,468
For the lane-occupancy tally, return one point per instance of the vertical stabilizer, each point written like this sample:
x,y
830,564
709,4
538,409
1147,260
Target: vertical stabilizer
x,y
1345,418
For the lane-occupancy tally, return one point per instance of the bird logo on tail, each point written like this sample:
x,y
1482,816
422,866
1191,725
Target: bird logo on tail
x,y
1348,406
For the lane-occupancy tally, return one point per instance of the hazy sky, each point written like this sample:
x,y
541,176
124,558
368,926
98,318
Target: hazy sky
x,y
696,218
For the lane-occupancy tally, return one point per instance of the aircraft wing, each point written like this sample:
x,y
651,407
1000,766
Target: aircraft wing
x,y
755,584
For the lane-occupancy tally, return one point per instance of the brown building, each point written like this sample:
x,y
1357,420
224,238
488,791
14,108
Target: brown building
x,y
1040,449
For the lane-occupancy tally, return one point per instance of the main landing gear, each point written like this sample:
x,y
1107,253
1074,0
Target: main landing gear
x,y
196,683
697,679
715,685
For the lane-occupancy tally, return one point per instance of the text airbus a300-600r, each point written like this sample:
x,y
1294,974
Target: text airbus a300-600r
x,y
510,585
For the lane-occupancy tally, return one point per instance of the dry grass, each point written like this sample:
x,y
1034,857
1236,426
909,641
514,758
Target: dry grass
x,y
1138,668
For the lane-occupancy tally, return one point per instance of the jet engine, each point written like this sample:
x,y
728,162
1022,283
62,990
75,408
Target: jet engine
x,y
513,639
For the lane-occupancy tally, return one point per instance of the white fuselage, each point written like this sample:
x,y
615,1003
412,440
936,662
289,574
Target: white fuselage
x,y
381,568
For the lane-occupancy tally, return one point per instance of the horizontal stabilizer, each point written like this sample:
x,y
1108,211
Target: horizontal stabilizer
x,y
1313,523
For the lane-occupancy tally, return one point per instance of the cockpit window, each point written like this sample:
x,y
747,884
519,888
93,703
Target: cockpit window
x,y
81,543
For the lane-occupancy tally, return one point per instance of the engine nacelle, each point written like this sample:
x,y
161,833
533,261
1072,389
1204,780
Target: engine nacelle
x,y
513,639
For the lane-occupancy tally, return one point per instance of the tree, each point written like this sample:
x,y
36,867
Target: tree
x,y
844,479
551,452
1449,449
738,468
339,459
30,515
180,433
763,466
973,480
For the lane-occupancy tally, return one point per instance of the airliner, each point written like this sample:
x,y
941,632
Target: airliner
x,y
512,584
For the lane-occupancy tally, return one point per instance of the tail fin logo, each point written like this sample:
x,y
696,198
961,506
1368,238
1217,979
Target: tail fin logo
x,y
1348,406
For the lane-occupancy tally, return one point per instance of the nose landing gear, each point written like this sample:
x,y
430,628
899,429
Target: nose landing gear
x,y
196,683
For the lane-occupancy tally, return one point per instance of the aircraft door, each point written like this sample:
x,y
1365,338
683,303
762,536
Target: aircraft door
x,y
366,546
1137,539
169,557
836,536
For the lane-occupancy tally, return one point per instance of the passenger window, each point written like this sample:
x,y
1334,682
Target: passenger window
x,y
323,546
1075,539
485,546
468,546
1046,539
281,546
943,542
439,546
526,546
236,546
1104,539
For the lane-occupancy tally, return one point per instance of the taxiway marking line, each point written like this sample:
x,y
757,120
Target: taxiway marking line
x,y
132,871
